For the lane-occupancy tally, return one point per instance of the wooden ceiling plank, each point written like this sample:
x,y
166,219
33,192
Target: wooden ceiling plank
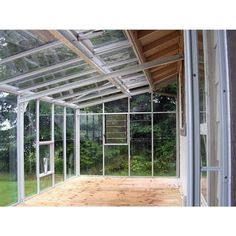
x,y
141,34
166,77
161,41
166,67
132,36
161,47
167,51
163,73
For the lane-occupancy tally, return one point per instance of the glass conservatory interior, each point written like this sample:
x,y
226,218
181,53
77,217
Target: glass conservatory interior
x,y
81,103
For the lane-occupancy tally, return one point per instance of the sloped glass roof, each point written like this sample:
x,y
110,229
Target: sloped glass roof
x,y
36,61
17,41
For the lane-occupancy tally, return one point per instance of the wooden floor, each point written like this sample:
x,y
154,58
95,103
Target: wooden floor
x,y
111,191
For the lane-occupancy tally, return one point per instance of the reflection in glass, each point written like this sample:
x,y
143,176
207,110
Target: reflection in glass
x,y
45,113
58,145
8,156
210,188
116,160
44,159
140,145
45,182
30,149
91,145
70,142
208,152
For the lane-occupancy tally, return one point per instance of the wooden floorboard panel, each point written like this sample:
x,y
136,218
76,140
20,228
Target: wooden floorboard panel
x,y
111,191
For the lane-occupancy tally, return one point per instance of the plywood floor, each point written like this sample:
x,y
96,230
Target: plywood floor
x,y
111,191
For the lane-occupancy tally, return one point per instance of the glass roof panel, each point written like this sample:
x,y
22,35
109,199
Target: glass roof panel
x,y
35,61
80,68
108,37
120,67
118,55
16,41
66,82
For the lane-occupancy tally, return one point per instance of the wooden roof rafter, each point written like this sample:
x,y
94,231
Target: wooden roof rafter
x,y
133,37
153,44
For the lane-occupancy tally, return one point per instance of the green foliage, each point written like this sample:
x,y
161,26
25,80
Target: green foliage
x,y
90,156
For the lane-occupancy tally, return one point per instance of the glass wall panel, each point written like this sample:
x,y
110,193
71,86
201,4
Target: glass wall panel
x,y
163,103
8,155
45,116
44,159
140,145
92,109
30,149
210,188
58,143
141,103
70,142
45,182
164,133
208,91
116,160
91,162
117,106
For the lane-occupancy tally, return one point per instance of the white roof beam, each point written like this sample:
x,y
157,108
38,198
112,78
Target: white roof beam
x,y
100,78
29,52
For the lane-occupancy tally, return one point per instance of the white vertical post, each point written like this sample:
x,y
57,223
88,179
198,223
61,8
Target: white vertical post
x,y
37,146
196,121
103,139
20,150
189,115
77,142
192,117
52,149
152,134
64,143
225,131
128,135
177,129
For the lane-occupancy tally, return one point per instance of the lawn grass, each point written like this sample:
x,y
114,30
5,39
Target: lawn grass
x,y
8,190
